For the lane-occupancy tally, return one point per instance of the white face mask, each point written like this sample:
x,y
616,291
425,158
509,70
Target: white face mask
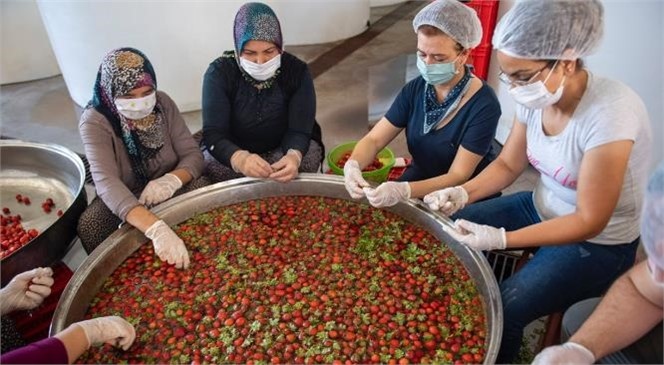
x,y
137,108
263,71
536,95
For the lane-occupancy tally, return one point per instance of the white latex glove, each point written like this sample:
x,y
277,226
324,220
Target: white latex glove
x,y
567,353
353,179
160,189
286,169
250,164
167,245
388,194
448,200
478,236
112,329
26,290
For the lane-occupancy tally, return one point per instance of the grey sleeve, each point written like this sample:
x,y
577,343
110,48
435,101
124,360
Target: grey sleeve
x,y
189,155
100,152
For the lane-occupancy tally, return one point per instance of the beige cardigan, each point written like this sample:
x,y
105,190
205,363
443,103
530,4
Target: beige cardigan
x,y
109,161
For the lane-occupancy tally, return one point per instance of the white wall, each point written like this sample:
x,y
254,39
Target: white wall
x,y
632,51
26,51
385,2
180,37
506,101
314,21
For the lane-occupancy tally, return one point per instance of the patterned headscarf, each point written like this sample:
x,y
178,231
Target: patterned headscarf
x,y
121,71
256,22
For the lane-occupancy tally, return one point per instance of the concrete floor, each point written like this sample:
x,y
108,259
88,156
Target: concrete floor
x,y
42,110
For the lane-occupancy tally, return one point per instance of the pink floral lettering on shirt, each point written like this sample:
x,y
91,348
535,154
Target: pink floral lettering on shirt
x,y
559,174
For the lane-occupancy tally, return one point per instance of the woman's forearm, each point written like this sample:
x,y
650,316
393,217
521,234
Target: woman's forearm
x,y
141,218
183,175
74,340
419,189
494,178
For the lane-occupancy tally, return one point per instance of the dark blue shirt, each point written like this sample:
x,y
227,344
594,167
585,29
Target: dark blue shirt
x,y
473,127
237,115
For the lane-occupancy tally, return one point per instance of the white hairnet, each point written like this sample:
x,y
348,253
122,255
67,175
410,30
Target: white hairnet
x,y
550,29
652,217
458,21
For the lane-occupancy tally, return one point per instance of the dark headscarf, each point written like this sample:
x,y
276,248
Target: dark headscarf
x,y
256,22
121,71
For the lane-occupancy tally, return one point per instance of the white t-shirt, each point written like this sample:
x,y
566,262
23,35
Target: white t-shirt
x,y
609,111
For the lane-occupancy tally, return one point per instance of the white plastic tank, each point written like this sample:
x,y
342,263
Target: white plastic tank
x,y
180,37
26,51
385,2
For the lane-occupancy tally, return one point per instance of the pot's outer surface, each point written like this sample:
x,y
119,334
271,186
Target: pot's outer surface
x,y
41,171
91,275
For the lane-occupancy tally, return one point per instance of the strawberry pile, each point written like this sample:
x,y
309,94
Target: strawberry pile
x,y
375,164
297,280
12,234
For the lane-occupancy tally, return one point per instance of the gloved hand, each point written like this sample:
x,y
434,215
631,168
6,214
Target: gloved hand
x,y
286,168
478,236
250,164
112,329
388,194
353,179
567,353
26,290
160,189
448,200
167,245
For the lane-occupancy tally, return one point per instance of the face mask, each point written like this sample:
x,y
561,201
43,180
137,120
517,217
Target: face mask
x,y
536,95
137,108
437,73
263,71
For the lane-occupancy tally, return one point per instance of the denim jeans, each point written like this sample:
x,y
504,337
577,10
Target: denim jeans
x,y
555,278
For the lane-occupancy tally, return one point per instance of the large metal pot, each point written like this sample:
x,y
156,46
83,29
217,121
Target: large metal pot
x,y
90,276
41,171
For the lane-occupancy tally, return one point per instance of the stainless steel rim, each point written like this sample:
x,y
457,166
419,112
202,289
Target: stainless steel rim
x,y
74,158
102,262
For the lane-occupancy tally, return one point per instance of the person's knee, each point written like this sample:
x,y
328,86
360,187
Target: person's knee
x,y
515,304
85,220
576,315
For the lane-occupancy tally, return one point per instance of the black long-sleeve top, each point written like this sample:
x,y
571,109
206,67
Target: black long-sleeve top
x,y
238,115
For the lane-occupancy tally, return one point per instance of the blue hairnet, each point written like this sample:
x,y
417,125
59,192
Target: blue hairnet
x,y
550,29
652,217
458,21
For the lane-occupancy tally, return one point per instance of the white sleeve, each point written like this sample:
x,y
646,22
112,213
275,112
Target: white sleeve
x,y
523,114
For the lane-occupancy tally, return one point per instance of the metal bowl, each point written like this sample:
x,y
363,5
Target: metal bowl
x,y
91,275
41,171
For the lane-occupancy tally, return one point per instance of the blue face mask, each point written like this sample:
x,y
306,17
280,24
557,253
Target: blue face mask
x,y
437,73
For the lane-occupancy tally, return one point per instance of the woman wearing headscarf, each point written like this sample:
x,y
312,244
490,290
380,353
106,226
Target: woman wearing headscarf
x,y
259,105
140,152
588,137
449,115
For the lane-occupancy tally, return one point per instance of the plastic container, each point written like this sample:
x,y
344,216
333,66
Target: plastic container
x,y
386,156
487,11
480,58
